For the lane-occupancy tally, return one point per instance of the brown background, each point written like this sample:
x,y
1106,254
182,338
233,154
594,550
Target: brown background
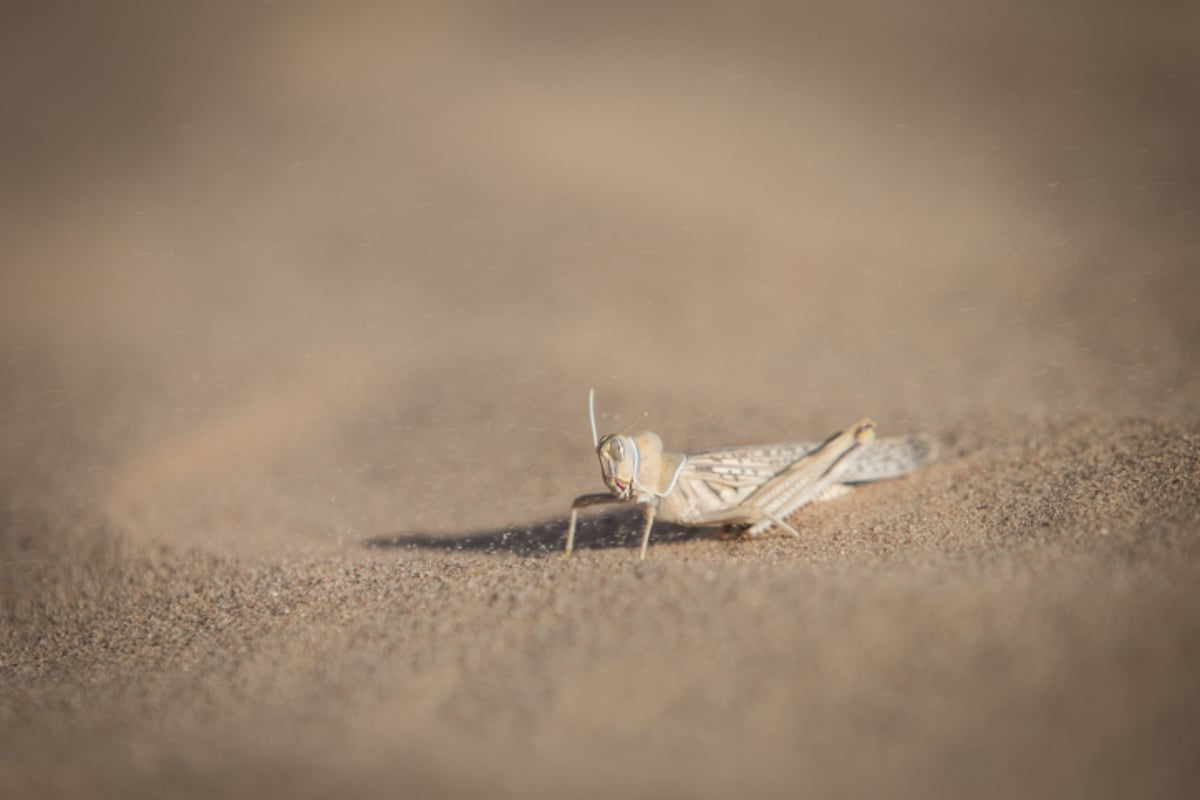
x,y
282,278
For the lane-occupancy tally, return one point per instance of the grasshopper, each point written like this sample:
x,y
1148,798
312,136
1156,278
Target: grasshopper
x,y
755,488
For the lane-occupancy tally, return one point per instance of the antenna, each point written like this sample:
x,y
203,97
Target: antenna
x,y
637,421
592,416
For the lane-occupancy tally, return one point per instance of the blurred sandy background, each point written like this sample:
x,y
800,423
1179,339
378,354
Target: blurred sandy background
x,y
279,279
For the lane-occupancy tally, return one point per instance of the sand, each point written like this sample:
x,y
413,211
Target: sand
x,y
300,308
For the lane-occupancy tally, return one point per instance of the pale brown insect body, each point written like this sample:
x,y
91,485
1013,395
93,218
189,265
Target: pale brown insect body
x,y
756,487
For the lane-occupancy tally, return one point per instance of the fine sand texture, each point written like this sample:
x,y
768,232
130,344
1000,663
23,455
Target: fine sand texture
x,y
299,308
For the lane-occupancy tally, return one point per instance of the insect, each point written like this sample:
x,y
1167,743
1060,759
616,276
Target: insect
x,y
755,488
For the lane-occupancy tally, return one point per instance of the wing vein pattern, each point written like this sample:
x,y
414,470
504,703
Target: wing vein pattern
x,y
722,477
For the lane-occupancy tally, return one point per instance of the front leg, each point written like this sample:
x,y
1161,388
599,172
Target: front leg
x,y
651,512
581,502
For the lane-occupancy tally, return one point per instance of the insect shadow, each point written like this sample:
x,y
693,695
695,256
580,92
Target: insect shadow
x,y
617,529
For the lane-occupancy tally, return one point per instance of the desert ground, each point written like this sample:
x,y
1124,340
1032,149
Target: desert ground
x,y
299,309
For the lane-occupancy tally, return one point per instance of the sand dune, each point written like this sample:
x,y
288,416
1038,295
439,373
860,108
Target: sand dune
x,y
300,307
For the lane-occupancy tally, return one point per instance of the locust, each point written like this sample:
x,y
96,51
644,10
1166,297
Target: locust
x,y
753,488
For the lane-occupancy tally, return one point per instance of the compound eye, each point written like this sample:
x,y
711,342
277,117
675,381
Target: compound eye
x,y
618,449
